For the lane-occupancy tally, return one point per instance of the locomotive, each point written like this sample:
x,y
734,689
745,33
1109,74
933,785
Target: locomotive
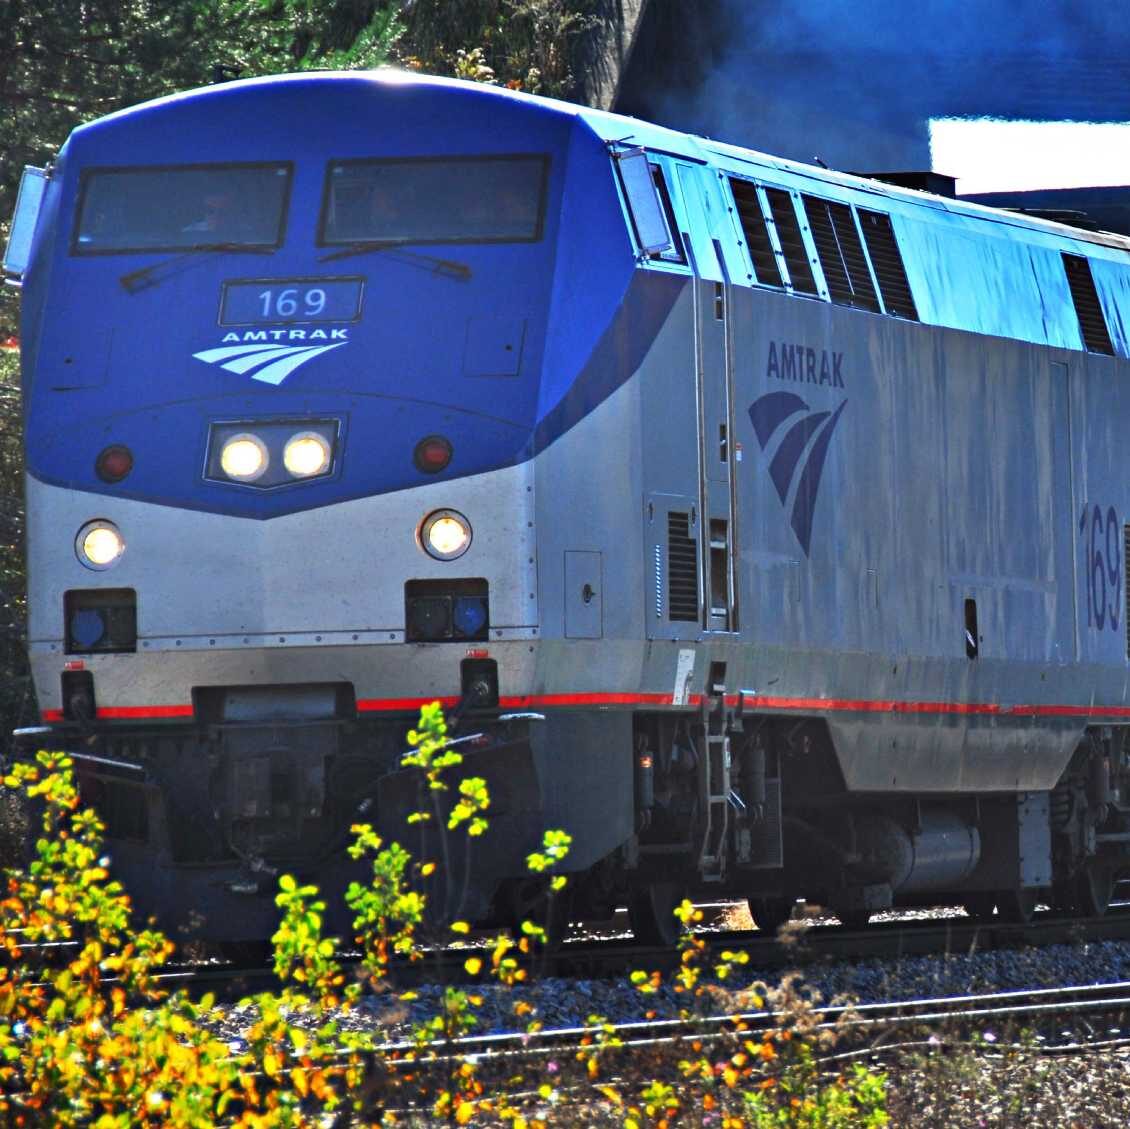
x,y
764,527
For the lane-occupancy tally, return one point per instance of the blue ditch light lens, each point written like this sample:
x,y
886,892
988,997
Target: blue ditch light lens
x,y
87,627
469,615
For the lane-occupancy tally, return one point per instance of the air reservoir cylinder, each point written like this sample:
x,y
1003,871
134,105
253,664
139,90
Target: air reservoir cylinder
x,y
939,854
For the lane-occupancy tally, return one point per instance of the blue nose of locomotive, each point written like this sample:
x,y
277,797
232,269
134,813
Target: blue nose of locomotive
x,y
385,302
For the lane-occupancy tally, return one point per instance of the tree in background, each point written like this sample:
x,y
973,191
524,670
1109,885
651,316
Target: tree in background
x,y
16,699
68,61
65,62
531,45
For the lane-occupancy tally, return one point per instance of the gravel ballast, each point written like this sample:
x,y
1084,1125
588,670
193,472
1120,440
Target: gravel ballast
x,y
1001,1078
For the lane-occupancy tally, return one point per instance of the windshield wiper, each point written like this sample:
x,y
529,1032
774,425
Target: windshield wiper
x,y
146,276
450,268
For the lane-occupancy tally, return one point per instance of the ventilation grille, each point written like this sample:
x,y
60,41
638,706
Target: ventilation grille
x,y
791,240
682,570
841,254
887,262
1087,308
756,233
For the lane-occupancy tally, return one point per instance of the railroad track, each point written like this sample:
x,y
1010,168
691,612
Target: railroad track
x,y
800,945
617,955
1003,1009
406,1076
614,957
403,1074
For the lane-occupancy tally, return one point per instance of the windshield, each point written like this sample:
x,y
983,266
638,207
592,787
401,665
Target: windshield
x,y
435,200
178,208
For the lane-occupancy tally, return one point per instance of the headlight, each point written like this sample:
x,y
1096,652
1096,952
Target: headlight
x,y
244,457
272,453
445,535
307,454
99,544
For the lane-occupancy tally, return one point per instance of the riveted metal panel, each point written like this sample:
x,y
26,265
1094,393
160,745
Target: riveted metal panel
x,y
258,578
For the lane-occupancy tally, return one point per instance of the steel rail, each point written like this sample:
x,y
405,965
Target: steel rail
x,y
656,1034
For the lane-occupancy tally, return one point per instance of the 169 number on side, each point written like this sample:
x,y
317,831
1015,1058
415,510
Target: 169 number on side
x,y
1101,535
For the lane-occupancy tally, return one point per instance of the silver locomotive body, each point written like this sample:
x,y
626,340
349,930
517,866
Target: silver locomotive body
x,y
805,569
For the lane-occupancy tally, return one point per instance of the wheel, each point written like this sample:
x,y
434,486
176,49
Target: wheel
x,y
1093,888
1017,906
980,905
651,912
770,913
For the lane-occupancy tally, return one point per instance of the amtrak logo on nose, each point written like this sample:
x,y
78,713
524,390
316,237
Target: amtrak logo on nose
x,y
271,363
811,432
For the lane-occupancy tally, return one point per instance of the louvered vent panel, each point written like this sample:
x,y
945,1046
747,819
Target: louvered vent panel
x,y
887,261
791,240
854,258
1086,299
828,250
841,254
756,231
682,569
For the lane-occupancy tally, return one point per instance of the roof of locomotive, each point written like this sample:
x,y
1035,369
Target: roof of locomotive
x,y
616,128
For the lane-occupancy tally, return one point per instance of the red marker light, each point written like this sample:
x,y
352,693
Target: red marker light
x,y
432,454
74,664
114,463
478,654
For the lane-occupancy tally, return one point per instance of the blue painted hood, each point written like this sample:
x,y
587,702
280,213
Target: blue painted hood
x,y
486,360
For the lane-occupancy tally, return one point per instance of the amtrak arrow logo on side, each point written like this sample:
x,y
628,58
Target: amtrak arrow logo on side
x,y
271,364
769,415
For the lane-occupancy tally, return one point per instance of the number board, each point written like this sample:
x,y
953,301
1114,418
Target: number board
x,y
269,301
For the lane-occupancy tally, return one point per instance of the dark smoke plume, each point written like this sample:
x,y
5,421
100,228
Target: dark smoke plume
x,y
856,81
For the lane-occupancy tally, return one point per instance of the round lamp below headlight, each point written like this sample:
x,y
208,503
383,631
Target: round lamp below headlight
x,y
445,535
244,457
306,454
99,544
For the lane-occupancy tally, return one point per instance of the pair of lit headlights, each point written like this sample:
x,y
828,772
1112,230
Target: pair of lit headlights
x,y
245,458
444,535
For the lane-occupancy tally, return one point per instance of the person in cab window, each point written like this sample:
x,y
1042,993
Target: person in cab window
x,y
217,218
